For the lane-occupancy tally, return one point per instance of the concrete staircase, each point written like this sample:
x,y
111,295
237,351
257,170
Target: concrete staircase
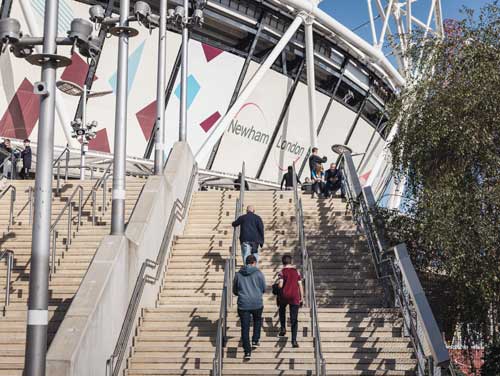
x,y
71,263
178,336
359,336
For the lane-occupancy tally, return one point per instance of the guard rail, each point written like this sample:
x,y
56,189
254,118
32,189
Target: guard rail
x,y
178,213
394,269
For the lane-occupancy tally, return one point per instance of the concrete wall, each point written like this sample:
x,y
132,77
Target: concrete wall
x,y
89,332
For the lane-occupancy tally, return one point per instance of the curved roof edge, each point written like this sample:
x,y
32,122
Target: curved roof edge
x,y
364,50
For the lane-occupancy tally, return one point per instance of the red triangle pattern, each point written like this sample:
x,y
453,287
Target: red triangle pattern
x,y
77,71
210,121
210,52
22,113
100,142
146,118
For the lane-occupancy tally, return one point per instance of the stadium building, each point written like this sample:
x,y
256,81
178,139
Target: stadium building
x,y
263,83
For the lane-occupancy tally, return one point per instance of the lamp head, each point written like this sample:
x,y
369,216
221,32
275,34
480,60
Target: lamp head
x,y
10,30
97,13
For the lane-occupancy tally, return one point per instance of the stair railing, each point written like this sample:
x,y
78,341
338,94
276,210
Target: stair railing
x,y
100,184
227,296
68,208
394,269
178,213
13,191
57,164
310,290
8,255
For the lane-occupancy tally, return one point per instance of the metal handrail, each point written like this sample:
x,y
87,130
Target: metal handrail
x,y
308,271
57,164
178,212
227,296
9,158
54,233
13,194
9,257
402,287
100,183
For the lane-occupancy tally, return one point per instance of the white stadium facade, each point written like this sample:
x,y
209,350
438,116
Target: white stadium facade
x,y
353,82
119,256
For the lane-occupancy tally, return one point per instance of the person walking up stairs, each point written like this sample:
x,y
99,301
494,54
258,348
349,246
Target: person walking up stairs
x,y
274,355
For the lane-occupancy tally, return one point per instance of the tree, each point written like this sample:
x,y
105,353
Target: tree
x,y
448,149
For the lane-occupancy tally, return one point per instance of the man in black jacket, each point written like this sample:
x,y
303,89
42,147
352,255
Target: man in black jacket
x,y
26,157
315,159
333,177
251,233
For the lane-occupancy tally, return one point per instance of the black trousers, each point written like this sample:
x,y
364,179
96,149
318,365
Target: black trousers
x,y
294,313
25,173
245,317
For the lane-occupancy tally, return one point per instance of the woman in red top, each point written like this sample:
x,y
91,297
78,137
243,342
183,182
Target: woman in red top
x,y
290,283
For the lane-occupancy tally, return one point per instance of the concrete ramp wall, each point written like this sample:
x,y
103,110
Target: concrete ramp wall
x,y
89,332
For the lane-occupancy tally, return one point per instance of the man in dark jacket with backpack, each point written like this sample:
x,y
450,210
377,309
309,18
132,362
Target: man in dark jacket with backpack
x,y
251,233
249,285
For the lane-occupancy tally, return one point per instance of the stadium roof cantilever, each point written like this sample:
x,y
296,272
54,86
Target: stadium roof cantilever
x,y
360,47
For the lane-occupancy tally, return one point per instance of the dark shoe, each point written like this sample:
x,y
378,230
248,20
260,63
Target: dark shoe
x,y
255,344
282,332
295,344
247,356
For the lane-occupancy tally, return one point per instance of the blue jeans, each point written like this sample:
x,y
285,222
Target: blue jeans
x,y
246,250
245,316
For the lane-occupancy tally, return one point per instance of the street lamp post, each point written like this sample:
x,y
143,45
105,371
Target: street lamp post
x,y
80,127
80,36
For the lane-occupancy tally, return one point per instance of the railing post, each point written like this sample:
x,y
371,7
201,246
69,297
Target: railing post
x,y
58,177
10,265
70,214
54,246
66,167
80,199
93,206
30,198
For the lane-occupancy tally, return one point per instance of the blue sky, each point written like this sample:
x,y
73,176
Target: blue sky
x,y
353,13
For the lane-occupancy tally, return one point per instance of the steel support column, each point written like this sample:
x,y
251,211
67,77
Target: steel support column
x,y
358,115
250,86
311,81
184,74
168,92
89,79
120,146
160,90
327,110
237,88
284,110
375,130
36,332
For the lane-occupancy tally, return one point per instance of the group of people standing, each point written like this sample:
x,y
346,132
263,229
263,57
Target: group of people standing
x,y
9,157
322,183
250,285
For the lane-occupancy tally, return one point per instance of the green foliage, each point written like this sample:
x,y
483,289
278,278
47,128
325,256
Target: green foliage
x,y
448,148
491,365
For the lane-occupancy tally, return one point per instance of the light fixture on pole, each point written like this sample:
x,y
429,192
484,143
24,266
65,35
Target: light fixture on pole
x,y
22,46
81,130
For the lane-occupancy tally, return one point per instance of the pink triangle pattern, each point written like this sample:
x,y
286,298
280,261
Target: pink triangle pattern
x,y
21,115
210,121
364,178
100,142
146,118
77,71
210,52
